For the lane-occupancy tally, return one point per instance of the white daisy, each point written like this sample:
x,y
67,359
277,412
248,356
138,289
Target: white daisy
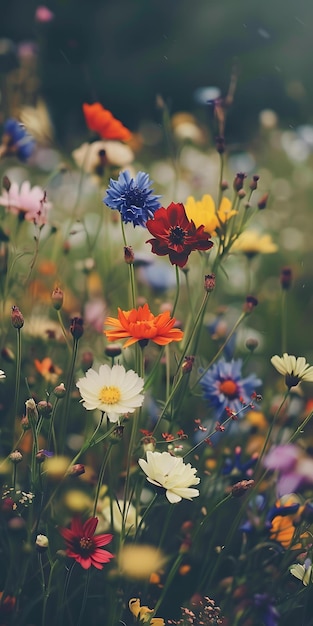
x,y
111,390
164,470
295,369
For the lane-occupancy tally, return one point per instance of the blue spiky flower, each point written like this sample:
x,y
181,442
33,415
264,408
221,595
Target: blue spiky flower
x,y
16,140
132,197
224,387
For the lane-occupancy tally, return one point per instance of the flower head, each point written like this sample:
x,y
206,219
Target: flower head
x,y
2,375
83,546
251,243
141,325
94,157
224,387
28,202
16,140
295,369
132,197
176,235
302,572
171,473
112,390
202,212
104,123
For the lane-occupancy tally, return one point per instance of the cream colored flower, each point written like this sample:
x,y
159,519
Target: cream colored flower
x,y
89,156
295,369
250,243
138,562
111,390
2,375
171,473
302,572
131,519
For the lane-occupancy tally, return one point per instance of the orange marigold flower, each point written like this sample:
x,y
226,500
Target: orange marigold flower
x,y
104,123
140,324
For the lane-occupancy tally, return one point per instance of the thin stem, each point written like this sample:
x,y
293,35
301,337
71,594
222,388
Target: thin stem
x,y
130,270
283,321
177,290
100,478
69,382
18,370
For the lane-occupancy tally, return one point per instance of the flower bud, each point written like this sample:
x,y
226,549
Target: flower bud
x,y
240,488
220,144
209,282
250,304
59,391
263,201
241,194
224,185
57,297
251,344
6,183
16,457
76,470
44,408
286,277
77,327
129,256
238,181
117,434
17,318
187,364
25,423
31,409
42,543
113,349
254,183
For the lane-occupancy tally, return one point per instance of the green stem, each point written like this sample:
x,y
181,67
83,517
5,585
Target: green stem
x,y
18,370
100,478
63,426
283,321
131,271
63,329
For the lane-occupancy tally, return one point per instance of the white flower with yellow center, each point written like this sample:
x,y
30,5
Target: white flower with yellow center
x,y
295,369
111,390
171,473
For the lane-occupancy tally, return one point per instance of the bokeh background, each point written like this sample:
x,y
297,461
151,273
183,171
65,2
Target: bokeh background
x,y
124,52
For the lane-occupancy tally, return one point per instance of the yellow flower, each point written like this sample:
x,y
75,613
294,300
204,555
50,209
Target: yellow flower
x,y
202,212
250,242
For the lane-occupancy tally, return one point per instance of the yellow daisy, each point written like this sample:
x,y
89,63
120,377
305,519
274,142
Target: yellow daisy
x,y
250,243
203,213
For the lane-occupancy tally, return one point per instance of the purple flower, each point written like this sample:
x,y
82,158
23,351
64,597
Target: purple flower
x,y
267,611
16,140
294,467
224,387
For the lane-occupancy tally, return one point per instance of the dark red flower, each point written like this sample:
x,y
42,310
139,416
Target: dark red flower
x,y
83,546
175,235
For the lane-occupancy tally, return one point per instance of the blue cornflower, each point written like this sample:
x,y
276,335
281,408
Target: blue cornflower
x,y
224,387
16,140
132,197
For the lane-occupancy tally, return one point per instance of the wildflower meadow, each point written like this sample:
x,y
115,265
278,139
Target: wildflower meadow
x,y
156,445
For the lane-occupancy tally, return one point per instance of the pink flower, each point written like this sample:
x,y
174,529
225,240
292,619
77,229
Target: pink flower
x,y
43,15
28,203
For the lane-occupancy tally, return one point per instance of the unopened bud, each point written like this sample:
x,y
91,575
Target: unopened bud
x,y
188,364
31,409
148,443
6,183
17,318
129,256
209,282
16,457
113,349
263,201
40,456
42,543
251,344
239,489
77,327
254,183
59,391
224,185
76,470
286,278
220,144
238,181
86,360
250,304
44,408
57,297
117,434
241,194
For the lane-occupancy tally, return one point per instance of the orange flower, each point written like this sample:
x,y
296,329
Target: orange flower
x,y
102,122
140,324
47,369
283,528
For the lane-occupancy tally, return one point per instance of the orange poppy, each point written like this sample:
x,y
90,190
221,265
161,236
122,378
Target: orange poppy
x,y
104,123
140,324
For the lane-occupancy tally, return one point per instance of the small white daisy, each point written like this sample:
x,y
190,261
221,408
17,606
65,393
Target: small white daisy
x,y
295,369
171,473
111,390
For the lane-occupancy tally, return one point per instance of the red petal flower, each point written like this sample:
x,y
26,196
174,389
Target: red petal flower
x,y
83,546
175,235
104,123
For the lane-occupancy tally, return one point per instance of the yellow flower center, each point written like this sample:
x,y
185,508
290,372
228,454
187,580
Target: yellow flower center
x,y
109,395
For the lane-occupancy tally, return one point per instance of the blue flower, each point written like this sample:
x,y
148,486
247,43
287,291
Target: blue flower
x,y
16,140
132,197
224,387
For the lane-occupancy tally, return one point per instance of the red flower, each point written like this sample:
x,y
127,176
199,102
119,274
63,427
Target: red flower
x,y
175,235
83,546
104,123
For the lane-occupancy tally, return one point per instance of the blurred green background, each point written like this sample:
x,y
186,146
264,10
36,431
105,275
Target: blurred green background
x,y
124,52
